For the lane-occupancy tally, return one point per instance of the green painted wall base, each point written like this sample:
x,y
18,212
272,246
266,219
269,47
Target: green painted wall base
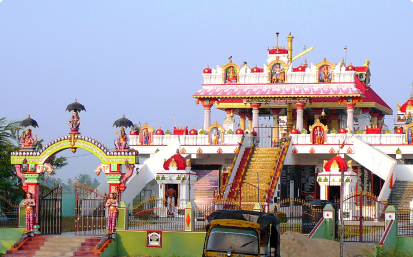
x,y
9,236
183,244
326,230
112,250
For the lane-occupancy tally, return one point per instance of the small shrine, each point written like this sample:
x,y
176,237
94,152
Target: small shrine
x,y
174,183
330,179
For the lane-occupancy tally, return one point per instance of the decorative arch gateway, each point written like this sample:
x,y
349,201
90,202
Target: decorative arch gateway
x,y
36,163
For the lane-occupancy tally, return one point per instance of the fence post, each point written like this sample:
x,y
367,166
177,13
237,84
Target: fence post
x,y
189,217
122,220
22,215
328,215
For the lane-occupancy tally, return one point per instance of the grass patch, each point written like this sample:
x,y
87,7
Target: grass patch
x,y
68,224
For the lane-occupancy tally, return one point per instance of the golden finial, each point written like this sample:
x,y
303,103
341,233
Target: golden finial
x,y
334,165
173,163
324,59
342,61
188,163
367,63
305,61
177,151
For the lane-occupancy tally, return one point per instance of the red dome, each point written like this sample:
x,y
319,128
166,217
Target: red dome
x,y
342,165
342,131
350,67
207,70
193,132
180,162
300,68
256,69
294,131
239,132
159,132
278,51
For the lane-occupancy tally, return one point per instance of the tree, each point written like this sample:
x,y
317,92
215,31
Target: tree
x,y
84,179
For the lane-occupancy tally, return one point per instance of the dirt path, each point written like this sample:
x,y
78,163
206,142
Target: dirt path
x,y
296,245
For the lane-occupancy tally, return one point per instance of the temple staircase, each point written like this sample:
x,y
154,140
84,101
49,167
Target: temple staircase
x,y
401,195
239,173
258,174
57,246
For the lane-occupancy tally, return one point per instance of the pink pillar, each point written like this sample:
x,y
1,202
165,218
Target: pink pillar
x,y
207,115
255,115
350,116
300,116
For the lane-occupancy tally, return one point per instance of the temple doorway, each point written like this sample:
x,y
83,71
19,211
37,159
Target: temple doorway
x,y
172,192
334,193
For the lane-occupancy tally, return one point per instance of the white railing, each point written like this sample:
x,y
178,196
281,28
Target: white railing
x,y
190,139
371,139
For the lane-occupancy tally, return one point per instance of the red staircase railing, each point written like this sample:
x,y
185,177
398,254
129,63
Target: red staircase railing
x,y
277,168
240,172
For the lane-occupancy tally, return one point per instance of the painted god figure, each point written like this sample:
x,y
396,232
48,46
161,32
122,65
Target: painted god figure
x,y
319,136
112,204
122,140
27,139
74,122
277,73
29,203
216,135
231,75
324,74
146,136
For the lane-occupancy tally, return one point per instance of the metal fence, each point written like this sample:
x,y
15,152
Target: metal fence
x,y
9,213
297,215
157,214
404,222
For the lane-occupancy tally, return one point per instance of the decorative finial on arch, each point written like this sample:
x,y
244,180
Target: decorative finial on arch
x,y
188,162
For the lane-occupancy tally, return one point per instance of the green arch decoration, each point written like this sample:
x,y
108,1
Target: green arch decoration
x,y
74,142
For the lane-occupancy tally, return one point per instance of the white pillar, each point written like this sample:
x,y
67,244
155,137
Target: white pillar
x,y
255,115
350,116
300,116
207,115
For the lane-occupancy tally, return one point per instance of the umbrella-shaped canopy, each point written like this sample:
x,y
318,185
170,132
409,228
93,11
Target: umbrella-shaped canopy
x,y
75,106
123,122
29,122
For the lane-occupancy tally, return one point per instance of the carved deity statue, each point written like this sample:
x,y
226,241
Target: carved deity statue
x,y
231,75
325,75
122,140
112,204
74,122
278,75
146,136
29,203
216,136
319,136
27,139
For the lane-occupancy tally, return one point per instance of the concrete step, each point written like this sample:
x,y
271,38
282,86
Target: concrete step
x,y
53,253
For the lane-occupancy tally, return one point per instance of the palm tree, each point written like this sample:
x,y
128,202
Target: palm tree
x,y
7,131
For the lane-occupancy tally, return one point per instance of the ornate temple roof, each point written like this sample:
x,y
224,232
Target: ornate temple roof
x,y
408,105
336,160
175,161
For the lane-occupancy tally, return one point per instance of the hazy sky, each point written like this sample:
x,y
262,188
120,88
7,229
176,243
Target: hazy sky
x,y
144,59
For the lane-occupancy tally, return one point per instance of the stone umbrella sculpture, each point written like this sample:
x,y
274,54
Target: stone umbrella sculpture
x,y
74,122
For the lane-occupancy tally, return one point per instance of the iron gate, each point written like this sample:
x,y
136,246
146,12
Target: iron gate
x,y
90,215
265,136
297,215
50,212
363,217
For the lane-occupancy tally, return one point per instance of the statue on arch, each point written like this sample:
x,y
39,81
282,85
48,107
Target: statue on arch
x,y
74,122
112,204
121,142
278,74
27,139
29,203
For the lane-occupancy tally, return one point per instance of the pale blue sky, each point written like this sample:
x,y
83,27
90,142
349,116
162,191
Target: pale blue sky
x,y
144,59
